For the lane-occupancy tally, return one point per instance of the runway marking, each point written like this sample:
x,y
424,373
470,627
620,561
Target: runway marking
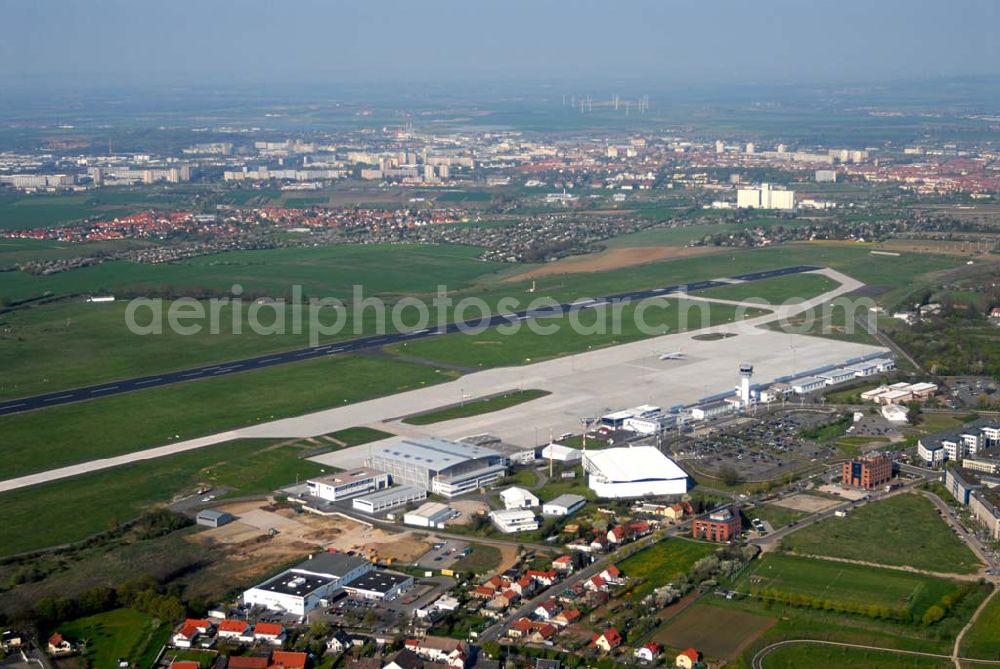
x,y
198,373
140,383
261,362
53,399
103,390
12,406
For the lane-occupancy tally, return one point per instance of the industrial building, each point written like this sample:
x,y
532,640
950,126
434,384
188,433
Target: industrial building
x,y
388,499
640,471
867,472
376,584
430,514
518,498
510,521
307,585
350,483
446,468
563,505
560,453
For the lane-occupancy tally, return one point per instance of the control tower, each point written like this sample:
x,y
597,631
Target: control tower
x,y
746,371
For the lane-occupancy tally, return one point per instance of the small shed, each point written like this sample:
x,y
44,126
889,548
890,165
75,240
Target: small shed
x,y
212,518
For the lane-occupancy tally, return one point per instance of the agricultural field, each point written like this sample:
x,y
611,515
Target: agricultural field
x,y
662,562
476,407
72,433
118,634
982,640
903,530
717,632
845,584
35,517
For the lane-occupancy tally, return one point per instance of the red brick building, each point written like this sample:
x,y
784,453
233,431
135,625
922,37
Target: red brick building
x,y
867,472
721,525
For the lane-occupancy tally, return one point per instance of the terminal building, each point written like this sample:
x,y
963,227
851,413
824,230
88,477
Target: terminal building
x,y
640,471
442,467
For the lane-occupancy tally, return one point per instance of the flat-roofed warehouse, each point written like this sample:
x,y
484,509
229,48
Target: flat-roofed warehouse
x,y
342,485
390,498
446,468
639,471
379,585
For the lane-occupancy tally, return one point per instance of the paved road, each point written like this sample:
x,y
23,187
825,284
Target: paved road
x,y
360,344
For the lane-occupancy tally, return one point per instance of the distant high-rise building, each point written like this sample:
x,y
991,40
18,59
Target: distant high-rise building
x,y
720,147
750,148
826,176
765,198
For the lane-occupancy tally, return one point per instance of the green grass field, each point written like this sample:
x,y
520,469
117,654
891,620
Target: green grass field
x,y
774,291
35,517
482,560
116,635
355,436
493,348
79,432
476,407
982,641
904,530
327,271
663,562
778,516
845,583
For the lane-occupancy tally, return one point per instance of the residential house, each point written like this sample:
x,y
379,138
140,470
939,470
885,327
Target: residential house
x,y
566,617
338,642
185,636
283,659
607,640
542,632
272,633
405,659
59,645
616,535
596,583
547,609
452,652
612,576
563,564
247,662
687,659
545,578
648,653
230,629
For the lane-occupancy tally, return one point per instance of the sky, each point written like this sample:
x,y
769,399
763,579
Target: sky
x,y
358,41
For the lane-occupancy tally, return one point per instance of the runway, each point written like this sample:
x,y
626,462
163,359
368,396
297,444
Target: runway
x,y
353,345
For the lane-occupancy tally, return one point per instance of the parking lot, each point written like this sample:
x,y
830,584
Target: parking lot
x,y
759,448
443,554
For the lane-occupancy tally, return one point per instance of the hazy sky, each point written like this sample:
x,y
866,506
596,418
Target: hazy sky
x,y
709,41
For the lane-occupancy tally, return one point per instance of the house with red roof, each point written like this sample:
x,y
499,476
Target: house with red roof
x,y
616,535
649,652
269,633
595,583
546,578
229,629
566,617
58,645
687,659
247,662
441,649
563,564
547,609
612,575
283,659
185,636
607,640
